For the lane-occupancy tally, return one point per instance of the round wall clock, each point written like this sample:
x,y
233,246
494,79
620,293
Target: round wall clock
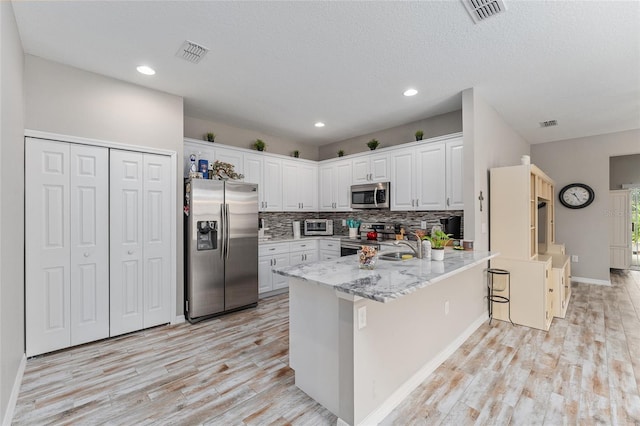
x,y
576,195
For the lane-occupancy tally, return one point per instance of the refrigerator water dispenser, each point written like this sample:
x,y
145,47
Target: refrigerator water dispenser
x,y
207,235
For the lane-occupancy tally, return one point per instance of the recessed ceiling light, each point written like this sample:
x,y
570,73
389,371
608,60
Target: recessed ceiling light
x,y
319,124
410,92
143,69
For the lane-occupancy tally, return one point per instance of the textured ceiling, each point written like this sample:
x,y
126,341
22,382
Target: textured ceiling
x,y
278,67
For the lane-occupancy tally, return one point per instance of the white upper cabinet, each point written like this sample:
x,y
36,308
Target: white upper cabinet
x,y
232,156
299,186
428,176
455,171
371,168
267,173
335,185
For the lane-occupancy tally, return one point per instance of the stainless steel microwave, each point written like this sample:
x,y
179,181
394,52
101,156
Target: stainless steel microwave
x,y
371,196
318,227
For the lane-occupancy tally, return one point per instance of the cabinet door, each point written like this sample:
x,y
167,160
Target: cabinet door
x,y
264,274
157,239
379,167
308,187
342,186
402,180
253,173
430,175
360,170
47,246
326,182
272,184
89,233
290,200
280,281
455,178
230,156
126,242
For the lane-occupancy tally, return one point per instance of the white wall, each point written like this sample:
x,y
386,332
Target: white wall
x,y
11,206
439,125
488,142
585,160
196,128
69,101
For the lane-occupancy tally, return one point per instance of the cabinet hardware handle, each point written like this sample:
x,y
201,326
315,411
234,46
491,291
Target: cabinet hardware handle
x,y
272,249
550,290
130,252
275,262
270,262
86,254
448,202
413,202
417,202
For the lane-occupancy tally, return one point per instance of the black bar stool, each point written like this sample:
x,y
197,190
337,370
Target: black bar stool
x,y
491,297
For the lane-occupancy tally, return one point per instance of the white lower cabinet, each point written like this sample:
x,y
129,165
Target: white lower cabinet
x,y
96,253
269,257
303,252
329,249
66,245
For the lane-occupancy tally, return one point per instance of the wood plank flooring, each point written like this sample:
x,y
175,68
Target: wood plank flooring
x,y
233,370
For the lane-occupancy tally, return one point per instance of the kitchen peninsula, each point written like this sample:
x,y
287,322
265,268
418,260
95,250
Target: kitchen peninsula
x,y
362,340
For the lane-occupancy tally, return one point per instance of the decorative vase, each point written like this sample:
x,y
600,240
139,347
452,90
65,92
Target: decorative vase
x,y
368,257
437,254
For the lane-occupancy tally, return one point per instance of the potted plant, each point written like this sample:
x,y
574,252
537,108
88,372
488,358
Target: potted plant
x,y
211,137
439,239
341,153
419,135
373,144
259,145
296,153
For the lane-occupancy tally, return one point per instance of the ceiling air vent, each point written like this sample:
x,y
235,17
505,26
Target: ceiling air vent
x,y
549,123
191,51
483,9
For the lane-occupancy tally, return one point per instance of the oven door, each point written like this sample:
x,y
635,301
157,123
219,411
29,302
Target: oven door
x,y
347,248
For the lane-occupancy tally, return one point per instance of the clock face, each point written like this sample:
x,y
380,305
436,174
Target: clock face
x,y
576,196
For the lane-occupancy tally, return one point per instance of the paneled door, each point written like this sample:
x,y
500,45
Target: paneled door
x,y
66,235
155,221
89,227
126,237
47,246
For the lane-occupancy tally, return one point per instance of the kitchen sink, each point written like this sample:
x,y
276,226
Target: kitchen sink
x,y
395,255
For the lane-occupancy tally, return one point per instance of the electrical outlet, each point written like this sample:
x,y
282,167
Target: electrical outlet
x,y
575,258
362,317
423,224
446,307
344,222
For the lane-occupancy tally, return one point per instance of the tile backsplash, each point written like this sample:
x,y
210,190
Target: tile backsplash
x,y
280,224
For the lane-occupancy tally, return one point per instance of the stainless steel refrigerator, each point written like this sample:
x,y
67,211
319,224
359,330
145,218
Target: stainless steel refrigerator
x,y
221,248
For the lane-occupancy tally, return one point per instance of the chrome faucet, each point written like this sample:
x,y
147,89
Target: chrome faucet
x,y
418,251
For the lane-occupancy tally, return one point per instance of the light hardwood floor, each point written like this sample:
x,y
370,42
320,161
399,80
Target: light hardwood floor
x,y
233,371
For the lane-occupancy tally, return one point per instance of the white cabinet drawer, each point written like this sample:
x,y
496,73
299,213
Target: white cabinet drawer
x,y
303,245
330,245
269,249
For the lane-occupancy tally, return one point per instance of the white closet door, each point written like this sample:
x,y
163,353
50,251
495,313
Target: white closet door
x,y
126,242
47,247
157,240
89,243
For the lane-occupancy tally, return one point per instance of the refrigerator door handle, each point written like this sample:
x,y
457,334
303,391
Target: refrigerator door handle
x,y
227,230
223,230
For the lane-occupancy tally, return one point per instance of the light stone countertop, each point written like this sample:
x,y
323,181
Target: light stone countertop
x,y
389,280
291,239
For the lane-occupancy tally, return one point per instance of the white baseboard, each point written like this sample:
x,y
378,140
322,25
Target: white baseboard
x,y
591,281
178,319
13,399
414,381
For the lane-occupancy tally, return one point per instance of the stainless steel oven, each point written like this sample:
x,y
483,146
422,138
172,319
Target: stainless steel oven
x,y
349,246
371,196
